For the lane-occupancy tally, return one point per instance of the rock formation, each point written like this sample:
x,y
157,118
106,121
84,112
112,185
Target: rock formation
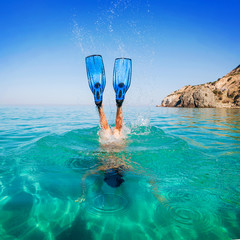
x,y
223,93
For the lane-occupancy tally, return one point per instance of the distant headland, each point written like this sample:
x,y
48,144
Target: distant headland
x,y
223,93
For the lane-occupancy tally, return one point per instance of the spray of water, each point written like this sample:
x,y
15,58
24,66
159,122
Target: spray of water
x,y
113,141
116,22
117,142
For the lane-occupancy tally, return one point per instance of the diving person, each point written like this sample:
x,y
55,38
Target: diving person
x,y
114,167
111,165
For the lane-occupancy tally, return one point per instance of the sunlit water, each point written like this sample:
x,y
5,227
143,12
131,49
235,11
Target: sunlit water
x,y
183,180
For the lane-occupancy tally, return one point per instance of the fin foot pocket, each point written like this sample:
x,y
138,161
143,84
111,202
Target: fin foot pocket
x,y
119,103
98,104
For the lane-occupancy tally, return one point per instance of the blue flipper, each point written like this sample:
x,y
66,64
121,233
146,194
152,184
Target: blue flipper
x,y
122,78
96,77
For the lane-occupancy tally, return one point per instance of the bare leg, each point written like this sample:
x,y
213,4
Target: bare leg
x,y
103,120
119,121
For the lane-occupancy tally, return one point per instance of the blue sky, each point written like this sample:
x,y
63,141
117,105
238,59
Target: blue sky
x,y
172,43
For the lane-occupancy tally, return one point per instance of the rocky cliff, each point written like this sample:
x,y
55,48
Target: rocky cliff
x,y
223,93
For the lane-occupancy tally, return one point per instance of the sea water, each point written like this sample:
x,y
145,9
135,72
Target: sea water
x,y
183,180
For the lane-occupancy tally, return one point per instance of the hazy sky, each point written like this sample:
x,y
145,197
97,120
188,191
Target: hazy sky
x,y
172,43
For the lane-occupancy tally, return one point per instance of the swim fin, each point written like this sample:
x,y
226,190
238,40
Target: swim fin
x,y
96,77
121,78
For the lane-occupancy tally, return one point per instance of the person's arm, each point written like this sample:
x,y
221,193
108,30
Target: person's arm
x,y
83,185
156,192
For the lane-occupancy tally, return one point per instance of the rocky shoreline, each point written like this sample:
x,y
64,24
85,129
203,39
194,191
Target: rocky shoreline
x,y
223,93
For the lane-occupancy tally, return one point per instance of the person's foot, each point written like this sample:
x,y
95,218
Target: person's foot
x,y
122,78
96,77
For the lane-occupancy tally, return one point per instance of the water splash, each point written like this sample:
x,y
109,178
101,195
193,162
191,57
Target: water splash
x,y
111,141
78,35
115,22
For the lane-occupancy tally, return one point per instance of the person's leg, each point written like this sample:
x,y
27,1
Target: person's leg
x,y
119,121
97,82
103,120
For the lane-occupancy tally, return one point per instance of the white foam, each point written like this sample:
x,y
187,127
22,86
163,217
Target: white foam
x,y
113,142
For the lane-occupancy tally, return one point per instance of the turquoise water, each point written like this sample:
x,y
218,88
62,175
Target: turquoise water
x,y
183,180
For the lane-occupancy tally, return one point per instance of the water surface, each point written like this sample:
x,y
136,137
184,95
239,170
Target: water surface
x,y
183,180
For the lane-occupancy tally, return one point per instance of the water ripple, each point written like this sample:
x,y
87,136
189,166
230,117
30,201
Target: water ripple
x,y
82,163
107,204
